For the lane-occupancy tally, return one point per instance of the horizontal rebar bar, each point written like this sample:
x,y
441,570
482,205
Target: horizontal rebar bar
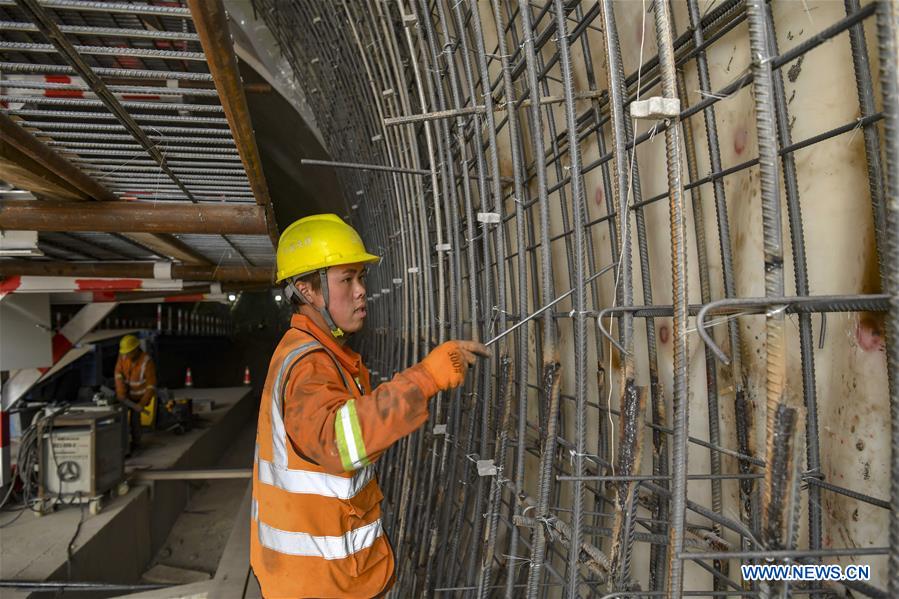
x,y
154,34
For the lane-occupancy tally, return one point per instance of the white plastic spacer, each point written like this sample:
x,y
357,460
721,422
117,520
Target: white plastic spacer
x,y
359,192
656,107
439,429
443,247
489,218
413,270
385,291
397,281
162,270
375,295
486,468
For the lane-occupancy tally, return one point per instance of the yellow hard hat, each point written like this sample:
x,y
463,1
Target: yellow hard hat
x,y
317,242
128,344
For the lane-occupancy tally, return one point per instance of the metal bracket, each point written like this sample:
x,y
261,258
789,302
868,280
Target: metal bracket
x,y
162,270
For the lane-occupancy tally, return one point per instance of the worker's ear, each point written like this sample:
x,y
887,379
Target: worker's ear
x,y
304,289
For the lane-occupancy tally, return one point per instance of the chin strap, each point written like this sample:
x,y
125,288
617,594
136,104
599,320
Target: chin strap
x,y
326,314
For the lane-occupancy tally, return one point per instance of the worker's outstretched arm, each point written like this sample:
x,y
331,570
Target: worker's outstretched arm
x,y
121,391
340,433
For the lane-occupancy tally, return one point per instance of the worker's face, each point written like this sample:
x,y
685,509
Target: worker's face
x,y
133,354
346,302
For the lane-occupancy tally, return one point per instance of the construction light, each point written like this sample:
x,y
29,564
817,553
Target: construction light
x,y
278,298
231,297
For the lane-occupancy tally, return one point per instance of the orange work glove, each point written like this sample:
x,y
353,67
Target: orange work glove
x,y
448,363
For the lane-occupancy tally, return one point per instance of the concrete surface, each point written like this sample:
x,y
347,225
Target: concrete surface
x,y
117,544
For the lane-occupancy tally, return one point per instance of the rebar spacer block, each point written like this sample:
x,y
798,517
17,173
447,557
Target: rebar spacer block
x,y
443,247
439,429
486,468
397,281
385,291
656,107
413,270
489,218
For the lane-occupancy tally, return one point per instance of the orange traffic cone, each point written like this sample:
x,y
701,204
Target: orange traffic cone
x,y
246,375
188,379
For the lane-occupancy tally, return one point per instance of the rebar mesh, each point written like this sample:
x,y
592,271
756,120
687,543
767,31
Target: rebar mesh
x,y
520,154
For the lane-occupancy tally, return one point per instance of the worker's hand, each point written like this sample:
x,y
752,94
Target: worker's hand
x,y
449,362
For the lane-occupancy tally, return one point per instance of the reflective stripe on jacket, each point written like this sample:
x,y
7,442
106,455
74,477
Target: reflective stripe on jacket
x,y
135,379
316,527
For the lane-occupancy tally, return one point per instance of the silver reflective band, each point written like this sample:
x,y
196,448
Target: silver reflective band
x,y
279,433
303,544
314,483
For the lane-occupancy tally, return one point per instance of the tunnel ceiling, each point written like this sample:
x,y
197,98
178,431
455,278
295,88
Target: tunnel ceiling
x,y
116,102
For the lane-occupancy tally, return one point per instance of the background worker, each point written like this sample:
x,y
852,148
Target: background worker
x,y
316,519
135,380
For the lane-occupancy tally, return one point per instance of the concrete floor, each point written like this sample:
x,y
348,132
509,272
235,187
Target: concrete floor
x,y
198,536
117,544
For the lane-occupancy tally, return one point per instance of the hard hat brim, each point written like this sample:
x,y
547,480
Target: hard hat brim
x,y
363,258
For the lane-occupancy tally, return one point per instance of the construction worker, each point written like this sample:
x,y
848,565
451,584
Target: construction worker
x,y
316,517
135,381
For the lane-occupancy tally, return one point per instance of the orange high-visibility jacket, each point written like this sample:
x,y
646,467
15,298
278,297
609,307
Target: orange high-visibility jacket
x,y
316,517
135,379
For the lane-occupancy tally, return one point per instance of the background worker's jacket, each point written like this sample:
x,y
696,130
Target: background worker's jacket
x,y
136,380
316,519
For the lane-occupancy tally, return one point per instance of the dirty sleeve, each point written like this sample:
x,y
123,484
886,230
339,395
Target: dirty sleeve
x,y
150,382
121,390
330,427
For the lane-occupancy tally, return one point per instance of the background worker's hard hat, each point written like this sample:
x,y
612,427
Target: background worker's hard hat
x,y
128,344
317,242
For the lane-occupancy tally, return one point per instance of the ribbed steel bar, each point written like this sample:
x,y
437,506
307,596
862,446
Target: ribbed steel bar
x,y
27,112
103,51
125,8
549,375
119,89
579,302
676,212
888,51
117,32
55,127
148,74
89,103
